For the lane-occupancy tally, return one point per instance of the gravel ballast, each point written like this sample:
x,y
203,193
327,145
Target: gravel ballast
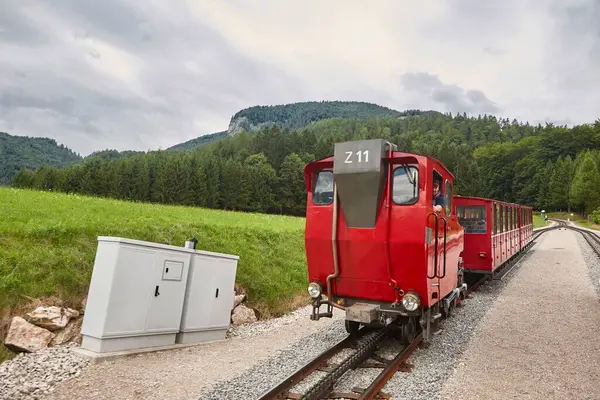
x,y
592,261
31,375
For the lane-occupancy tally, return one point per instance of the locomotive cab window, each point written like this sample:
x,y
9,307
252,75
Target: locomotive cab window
x,y
440,198
323,189
448,197
405,184
472,218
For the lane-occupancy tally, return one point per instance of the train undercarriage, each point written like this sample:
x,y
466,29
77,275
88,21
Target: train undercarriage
x,y
365,314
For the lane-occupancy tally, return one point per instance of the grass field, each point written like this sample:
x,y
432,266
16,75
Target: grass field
x,y
538,221
48,243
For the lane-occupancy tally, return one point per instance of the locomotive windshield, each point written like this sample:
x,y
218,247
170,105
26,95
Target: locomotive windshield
x,y
323,191
405,186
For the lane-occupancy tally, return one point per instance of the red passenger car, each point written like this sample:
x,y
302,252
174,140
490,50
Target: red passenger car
x,y
495,232
374,245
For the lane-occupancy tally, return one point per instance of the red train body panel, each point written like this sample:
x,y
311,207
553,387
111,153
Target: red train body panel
x,y
495,231
373,241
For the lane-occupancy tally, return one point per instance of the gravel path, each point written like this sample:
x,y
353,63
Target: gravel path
x,y
540,339
176,374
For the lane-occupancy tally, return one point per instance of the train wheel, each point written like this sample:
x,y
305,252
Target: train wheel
x,y
352,327
409,329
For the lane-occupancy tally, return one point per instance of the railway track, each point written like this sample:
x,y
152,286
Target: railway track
x,y
592,238
365,344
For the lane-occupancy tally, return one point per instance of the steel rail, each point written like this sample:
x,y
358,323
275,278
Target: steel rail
x,y
325,385
381,380
591,238
279,391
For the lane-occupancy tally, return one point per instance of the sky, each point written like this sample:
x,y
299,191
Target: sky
x,y
144,75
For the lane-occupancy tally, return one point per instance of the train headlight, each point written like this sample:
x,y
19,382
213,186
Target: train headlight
x,y
314,290
411,301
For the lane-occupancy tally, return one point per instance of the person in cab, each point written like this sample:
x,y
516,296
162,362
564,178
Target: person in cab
x,y
438,199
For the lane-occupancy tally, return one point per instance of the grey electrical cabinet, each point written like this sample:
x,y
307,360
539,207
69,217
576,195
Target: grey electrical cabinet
x,y
136,295
208,297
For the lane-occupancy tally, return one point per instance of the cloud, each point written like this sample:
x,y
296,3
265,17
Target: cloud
x,y
126,75
427,91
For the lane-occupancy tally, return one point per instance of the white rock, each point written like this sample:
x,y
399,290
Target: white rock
x,y
71,333
243,315
51,318
238,299
23,336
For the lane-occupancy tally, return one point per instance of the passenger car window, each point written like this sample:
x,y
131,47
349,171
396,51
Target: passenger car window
x,y
472,218
323,191
405,185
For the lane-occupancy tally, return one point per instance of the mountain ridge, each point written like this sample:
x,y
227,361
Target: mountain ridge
x,y
297,116
26,152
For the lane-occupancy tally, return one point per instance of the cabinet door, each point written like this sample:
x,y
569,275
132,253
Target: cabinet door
x,y
223,287
197,311
128,302
167,292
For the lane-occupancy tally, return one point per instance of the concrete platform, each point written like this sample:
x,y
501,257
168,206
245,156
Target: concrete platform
x,y
95,358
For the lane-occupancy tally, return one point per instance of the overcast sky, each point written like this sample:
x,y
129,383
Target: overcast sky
x,y
149,74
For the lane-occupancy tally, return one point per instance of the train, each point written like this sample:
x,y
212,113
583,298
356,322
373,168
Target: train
x,y
388,242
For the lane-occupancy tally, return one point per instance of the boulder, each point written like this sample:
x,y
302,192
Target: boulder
x,y
243,315
71,333
25,337
52,318
238,299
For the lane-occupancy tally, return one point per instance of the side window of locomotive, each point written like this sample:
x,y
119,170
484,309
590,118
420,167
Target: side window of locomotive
x,y
405,185
448,198
472,218
323,190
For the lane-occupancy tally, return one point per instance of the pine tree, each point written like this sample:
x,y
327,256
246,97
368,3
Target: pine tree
x,y
558,186
584,190
292,191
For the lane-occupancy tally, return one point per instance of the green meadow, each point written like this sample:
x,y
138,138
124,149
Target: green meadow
x,y
48,243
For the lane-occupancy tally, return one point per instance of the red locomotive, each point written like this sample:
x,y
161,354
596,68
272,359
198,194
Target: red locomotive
x,y
377,246
374,244
495,232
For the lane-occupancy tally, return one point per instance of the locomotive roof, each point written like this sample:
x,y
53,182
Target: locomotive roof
x,y
395,154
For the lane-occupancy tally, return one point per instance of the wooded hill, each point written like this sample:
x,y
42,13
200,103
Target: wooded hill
x,y
31,153
542,166
18,152
296,116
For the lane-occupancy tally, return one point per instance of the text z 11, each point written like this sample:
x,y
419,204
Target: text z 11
x,y
362,156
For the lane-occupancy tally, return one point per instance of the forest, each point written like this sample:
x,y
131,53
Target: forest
x,y
550,167
18,152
